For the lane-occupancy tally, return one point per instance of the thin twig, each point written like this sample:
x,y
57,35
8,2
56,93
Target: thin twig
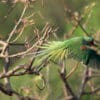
x,y
25,70
84,81
96,90
6,69
78,19
72,71
18,36
14,29
69,90
48,30
11,93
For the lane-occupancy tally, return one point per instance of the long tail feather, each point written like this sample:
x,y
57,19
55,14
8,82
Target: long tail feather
x,y
54,49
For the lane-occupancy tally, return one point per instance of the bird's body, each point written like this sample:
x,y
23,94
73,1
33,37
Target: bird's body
x,y
76,48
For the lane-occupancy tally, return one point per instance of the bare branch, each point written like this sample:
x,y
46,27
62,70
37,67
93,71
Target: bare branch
x,y
69,90
96,90
72,71
84,81
14,29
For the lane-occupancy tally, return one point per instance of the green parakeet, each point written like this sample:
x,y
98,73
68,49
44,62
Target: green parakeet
x,y
77,48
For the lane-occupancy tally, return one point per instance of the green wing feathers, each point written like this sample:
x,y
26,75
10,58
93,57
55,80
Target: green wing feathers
x,y
54,49
60,49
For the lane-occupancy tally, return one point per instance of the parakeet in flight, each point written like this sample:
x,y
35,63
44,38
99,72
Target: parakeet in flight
x,y
78,48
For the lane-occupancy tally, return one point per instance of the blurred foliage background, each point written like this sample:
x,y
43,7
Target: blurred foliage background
x,y
51,11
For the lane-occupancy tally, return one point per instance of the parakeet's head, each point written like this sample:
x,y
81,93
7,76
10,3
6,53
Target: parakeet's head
x,y
88,41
